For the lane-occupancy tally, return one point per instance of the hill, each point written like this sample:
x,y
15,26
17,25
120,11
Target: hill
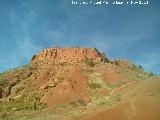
x,y
78,84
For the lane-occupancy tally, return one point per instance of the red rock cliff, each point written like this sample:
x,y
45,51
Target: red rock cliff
x,y
67,54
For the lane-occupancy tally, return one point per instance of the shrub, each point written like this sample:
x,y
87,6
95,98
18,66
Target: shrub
x,y
4,115
73,104
2,82
60,78
95,85
82,103
104,58
19,88
34,105
151,74
61,106
140,67
90,62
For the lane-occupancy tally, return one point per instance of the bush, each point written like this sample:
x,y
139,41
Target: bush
x,y
151,74
61,106
60,78
82,103
90,62
34,105
73,104
95,85
104,58
4,115
2,82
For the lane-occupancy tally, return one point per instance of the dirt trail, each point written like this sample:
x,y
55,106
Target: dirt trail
x,y
140,104
133,108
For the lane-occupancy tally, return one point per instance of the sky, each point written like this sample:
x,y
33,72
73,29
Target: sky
x,y
130,32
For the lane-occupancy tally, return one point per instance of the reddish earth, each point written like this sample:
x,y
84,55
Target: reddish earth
x,y
68,91
112,90
140,104
112,76
67,55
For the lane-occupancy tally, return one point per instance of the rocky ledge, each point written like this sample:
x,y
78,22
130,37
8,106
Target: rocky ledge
x,y
68,55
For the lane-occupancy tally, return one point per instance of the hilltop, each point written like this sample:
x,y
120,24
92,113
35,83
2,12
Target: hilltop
x,y
68,55
78,84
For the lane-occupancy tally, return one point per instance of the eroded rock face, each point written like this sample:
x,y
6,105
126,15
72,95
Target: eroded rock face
x,y
67,55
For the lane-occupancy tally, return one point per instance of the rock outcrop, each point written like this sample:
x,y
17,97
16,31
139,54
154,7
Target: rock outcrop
x,y
68,55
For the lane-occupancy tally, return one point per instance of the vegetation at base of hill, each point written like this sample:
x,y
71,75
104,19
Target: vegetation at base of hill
x,y
20,104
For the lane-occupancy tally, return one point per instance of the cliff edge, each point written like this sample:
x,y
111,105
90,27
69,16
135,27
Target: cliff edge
x,y
68,55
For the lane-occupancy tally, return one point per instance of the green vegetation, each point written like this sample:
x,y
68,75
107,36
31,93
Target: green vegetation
x,y
117,98
34,105
95,85
155,93
78,103
74,104
61,78
151,74
61,106
115,84
90,62
29,66
140,67
15,106
18,88
3,82
104,57
82,103
96,81
3,115
19,103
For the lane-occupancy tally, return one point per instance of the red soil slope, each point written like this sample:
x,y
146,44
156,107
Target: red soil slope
x,y
143,103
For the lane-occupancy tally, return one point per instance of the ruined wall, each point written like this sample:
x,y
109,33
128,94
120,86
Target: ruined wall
x,y
67,54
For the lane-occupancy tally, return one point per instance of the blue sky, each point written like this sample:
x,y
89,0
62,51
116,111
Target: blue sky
x,y
124,31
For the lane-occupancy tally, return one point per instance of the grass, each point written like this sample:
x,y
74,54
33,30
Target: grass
x,y
103,101
95,85
74,104
61,106
3,115
117,98
15,106
18,88
88,70
155,93
96,81
21,102
115,84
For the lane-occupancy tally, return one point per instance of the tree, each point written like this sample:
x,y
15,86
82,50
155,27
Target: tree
x,y
140,67
104,58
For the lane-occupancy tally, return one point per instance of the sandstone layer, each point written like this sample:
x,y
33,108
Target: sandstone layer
x,y
68,55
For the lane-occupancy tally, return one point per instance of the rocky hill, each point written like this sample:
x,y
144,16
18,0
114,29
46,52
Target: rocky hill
x,y
68,55
78,84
